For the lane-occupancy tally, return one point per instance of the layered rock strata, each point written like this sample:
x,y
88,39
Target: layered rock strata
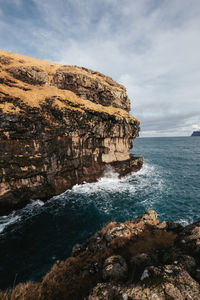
x,y
59,126
141,259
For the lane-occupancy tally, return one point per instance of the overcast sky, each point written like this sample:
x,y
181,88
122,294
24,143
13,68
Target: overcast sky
x,y
150,46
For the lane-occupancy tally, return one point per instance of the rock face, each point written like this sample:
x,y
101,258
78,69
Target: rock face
x,y
59,126
196,133
31,75
115,268
140,259
92,85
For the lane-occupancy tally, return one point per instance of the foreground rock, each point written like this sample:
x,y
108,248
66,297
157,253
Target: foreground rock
x,y
140,259
59,126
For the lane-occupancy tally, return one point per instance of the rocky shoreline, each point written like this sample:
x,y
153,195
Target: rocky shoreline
x,y
139,259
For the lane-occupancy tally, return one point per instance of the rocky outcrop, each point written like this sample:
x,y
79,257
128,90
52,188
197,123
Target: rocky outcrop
x,y
139,259
59,126
196,133
92,85
32,75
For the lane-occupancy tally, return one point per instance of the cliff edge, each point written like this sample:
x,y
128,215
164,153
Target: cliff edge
x,y
59,126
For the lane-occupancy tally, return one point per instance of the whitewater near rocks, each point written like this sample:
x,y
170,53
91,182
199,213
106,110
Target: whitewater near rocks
x,y
167,183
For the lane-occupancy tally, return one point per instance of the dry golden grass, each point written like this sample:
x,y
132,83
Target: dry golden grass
x,y
19,60
23,291
51,68
37,95
151,240
9,108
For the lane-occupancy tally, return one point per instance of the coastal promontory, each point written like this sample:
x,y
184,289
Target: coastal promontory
x,y
60,125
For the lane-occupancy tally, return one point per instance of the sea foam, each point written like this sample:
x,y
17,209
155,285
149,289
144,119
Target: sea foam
x,y
107,195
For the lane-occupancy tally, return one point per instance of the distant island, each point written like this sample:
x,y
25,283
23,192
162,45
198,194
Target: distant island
x,y
196,133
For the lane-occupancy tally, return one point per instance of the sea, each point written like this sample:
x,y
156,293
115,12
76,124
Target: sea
x,y
34,238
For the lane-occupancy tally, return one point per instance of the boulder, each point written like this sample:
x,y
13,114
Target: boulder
x,y
115,268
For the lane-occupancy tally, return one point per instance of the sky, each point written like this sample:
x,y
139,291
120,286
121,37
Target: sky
x,y
150,46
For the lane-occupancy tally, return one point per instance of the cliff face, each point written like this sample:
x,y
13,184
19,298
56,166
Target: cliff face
x,y
59,126
139,259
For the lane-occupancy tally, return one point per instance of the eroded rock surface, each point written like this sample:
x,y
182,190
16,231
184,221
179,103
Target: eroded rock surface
x,y
141,259
31,75
115,268
92,85
59,126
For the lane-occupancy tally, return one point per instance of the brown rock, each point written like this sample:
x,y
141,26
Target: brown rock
x,y
102,292
32,75
5,60
99,88
162,225
188,263
189,239
115,268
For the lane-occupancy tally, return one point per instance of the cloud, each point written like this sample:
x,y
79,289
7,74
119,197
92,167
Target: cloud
x,y
196,127
150,46
13,2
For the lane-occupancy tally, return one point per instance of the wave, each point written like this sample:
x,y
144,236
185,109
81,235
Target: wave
x,y
6,221
109,195
128,196
111,181
19,216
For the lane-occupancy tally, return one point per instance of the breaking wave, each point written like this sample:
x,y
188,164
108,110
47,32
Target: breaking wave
x,y
110,191
20,216
106,195
42,233
6,221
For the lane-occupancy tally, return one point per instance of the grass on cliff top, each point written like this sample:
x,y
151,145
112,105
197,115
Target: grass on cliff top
x,y
18,60
34,96
38,95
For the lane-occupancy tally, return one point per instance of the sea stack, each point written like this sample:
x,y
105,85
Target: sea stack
x,y
59,126
196,133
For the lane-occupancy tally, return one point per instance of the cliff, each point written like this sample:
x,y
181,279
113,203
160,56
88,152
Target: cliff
x,y
140,259
59,126
196,133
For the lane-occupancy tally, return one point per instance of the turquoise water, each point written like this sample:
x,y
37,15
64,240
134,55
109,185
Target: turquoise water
x,y
32,239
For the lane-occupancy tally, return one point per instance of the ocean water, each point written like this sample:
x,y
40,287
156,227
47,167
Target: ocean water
x,y
34,238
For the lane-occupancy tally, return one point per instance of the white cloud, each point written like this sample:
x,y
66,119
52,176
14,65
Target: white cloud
x,y
196,127
150,46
